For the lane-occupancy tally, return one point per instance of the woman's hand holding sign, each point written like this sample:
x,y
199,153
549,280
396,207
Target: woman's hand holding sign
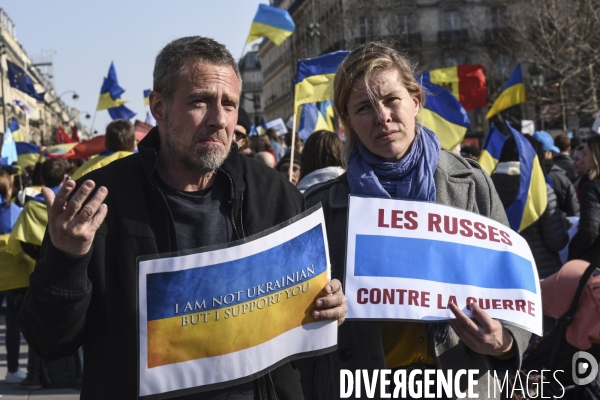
x,y
332,306
483,334
73,222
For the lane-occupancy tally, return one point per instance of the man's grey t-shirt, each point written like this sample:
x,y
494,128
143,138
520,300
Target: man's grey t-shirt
x,y
203,218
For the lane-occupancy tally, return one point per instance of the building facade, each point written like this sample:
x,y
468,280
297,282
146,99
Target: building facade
x,y
39,126
252,93
433,34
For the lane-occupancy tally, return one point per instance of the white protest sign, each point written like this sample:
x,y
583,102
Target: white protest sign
x,y
278,125
407,260
222,317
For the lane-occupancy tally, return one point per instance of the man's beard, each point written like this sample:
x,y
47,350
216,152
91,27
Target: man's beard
x,y
197,158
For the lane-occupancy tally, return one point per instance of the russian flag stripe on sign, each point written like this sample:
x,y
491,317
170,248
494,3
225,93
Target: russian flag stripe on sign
x,y
480,265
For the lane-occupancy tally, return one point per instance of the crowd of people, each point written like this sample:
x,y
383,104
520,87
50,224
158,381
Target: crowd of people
x,y
199,179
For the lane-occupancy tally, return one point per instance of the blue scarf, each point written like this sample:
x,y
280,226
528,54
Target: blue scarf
x,y
409,178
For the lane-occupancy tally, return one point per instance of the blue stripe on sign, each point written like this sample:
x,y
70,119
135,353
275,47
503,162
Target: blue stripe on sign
x,y
289,259
441,262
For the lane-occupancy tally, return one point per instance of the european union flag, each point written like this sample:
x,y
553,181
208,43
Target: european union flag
x,y
20,80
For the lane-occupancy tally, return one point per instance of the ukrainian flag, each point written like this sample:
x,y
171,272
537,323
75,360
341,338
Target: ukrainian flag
x,y
110,92
17,133
27,154
311,120
314,77
513,93
14,269
30,226
326,109
532,198
491,150
272,22
443,114
147,97
101,160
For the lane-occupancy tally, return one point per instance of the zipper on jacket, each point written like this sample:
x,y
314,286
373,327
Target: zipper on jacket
x,y
272,385
232,202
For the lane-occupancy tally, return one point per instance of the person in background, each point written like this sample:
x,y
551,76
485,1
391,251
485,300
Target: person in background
x,y
471,152
546,236
9,213
119,141
566,198
266,158
562,158
277,147
579,168
389,155
242,130
321,159
585,245
284,166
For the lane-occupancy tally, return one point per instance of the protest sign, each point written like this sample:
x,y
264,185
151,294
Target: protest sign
x,y
407,260
225,315
278,125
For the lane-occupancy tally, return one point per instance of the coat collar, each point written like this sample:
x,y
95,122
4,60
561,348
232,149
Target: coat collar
x,y
450,168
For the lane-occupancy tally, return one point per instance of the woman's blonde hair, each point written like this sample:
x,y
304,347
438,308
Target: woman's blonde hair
x,y
361,62
593,144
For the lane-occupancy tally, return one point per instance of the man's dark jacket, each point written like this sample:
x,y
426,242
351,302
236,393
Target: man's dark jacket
x,y
90,300
566,197
565,162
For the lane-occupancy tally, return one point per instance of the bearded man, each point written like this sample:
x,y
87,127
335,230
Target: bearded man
x,y
187,187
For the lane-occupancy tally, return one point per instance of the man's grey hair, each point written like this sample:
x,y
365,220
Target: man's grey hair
x,y
171,61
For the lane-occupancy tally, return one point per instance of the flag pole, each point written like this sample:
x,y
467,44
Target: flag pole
x,y
291,170
93,120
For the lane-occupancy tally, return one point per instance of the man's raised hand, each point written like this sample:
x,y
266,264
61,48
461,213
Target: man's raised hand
x,y
73,222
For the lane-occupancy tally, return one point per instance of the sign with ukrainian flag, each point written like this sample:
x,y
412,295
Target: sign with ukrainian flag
x,y
223,316
406,260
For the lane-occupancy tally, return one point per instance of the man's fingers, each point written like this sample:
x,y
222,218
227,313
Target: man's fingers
x,y
56,203
338,313
78,198
333,286
89,210
99,217
334,300
482,317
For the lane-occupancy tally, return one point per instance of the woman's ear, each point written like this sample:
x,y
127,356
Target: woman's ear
x,y
417,104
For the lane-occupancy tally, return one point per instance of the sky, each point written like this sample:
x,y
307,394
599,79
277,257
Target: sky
x,y
85,36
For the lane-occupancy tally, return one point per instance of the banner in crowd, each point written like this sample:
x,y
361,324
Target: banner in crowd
x,y
407,260
226,315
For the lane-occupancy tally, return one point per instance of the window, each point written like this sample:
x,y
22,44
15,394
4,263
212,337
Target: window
x,y
497,16
406,23
365,28
452,20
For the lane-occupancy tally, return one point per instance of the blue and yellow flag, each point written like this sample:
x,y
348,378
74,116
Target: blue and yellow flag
x,y
15,128
99,161
272,22
14,269
443,114
492,148
532,197
513,93
314,77
9,148
121,112
326,109
27,153
147,97
110,93
311,120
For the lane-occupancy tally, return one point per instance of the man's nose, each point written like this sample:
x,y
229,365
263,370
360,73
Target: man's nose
x,y
217,116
